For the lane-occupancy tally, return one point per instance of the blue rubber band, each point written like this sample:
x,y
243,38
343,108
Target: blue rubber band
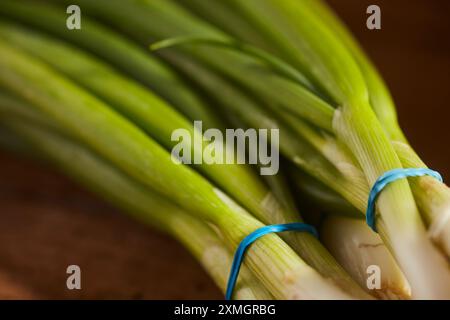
x,y
388,177
252,237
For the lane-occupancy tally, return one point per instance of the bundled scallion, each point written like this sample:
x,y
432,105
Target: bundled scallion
x,y
95,124
99,95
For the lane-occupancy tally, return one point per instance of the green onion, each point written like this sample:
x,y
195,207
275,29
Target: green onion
x,y
432,197
141,203
121,52
113,137
357,248
298,33
137,104
434,206
280,64
103,85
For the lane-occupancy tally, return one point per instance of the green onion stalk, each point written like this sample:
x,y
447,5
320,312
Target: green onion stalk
x,y
352,184
137,104
310,150
354,187
103,85
432,196
351,241
335,80
434,206
140,202
112,47
355,124
344,236
127,147
116,188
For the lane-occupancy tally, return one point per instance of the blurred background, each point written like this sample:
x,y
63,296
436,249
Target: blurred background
x,y
47,222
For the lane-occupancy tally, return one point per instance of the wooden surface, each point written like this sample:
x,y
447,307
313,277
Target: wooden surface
x,y
47,222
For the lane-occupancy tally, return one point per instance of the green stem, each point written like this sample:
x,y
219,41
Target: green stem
x,y
302,36
143,108
245,189
432,197
232,100
117,50
141,203
113,137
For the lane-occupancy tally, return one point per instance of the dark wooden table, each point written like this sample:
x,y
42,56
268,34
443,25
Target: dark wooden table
x,y
47,222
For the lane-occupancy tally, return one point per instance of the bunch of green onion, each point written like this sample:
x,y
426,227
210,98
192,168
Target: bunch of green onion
x,y
101,105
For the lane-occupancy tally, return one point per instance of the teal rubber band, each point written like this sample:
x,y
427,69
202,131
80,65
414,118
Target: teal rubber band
x,y
388,177
252,237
